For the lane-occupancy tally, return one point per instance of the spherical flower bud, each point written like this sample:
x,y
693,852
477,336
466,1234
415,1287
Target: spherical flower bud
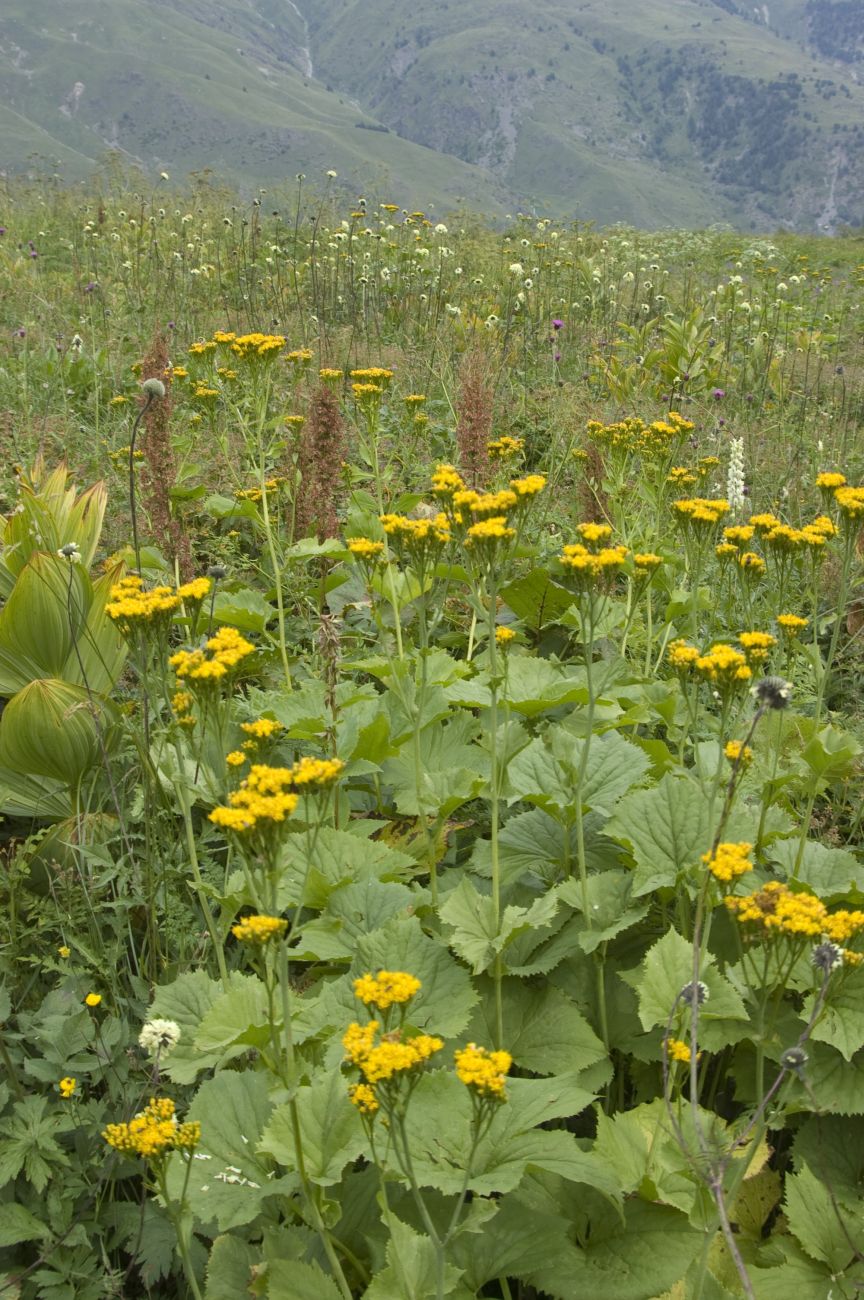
x,y
694,995
153,388
794,1058
773,692
827,956
71,552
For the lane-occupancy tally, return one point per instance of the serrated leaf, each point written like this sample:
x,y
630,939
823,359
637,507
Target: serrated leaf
x,y
293,1279
186,1002
667,829
411,1268
228,1179
331,1130
475,936
17,1224
841,1023
791,1274
825,1231
641,1257
535,685
536,844
536,599
609,908
245,609
834,1084
830,873
229,1268
544,1030
239,1016
667,967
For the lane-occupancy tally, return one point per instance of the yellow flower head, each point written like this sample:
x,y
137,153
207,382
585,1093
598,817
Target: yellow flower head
x,y
386,988
504,635
63,951
791,624
363,1097
830,480
93,999
236,758
363,548
737,752
483,1071
729,861
677,1050
259,929
153,1132
67,1087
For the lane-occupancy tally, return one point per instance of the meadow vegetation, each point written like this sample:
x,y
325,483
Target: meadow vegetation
x,y
430,761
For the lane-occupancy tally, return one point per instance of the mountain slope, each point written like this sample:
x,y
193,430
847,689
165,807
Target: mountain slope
x,y
628,110
189,85
661,112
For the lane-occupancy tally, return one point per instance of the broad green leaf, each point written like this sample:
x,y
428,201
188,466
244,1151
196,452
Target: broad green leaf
x,y
475,936
609,908
825,1234
331,1130
791,1273
98,657
535,685
833,1147
32,796
411,1268
228,1180
238,1017
48,730
842,1021
536,599
543,1030
667,829
830,873
546,772
229,1268
536,844
446,998
17,1224
640,1258
833,1083
338,859
450,770
245,609
292,1279
665,970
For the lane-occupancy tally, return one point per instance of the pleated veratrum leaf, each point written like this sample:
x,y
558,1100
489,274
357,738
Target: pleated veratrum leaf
x,y
50,514
39,619
48,729
101,650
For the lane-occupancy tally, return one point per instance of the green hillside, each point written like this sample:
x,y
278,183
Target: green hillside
x,y
177,86
663,113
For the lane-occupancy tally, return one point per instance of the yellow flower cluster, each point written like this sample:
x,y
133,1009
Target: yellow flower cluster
x,y
393,1055
153,1132
488,532
739,534
363,548
504,635
256,494
830,481
729,861
757,645
67,1087
131,607
236,758
505,448
329,375
320,772
700,511
592,533
259,929
776,910
387,988
222,652
791,624
416,534
263,800
850,502
299,357
529,486
195,590
723,666
413,400
647,562
677,1050
262,728
376,375
681,476
737,752
483,505
483,1071
447,481
251,347
363,1097
634,436
590,563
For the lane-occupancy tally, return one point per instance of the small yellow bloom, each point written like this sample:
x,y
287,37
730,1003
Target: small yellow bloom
x,y
67,1087
63,951
259,929
483,1071
504,635
676,1050
236,758
93,999
386,988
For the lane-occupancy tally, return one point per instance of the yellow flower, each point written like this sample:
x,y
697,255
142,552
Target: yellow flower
x,y
729,861
262,728
318,772
740,534
830,480
386,988
67,1087
446,481
195,590
647,562
259,929
329,376
483,1071
756,646
504,635
700,511
681,656
529,486
723,666
363,1097
489,532
737,752
791,624
504,448
850,501
363,548
236,758
677,1050
752,564
591,532
93,999
63,951
153,1132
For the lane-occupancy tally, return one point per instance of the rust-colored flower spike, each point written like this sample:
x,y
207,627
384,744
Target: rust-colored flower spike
x,y
474,409
321,452
159,469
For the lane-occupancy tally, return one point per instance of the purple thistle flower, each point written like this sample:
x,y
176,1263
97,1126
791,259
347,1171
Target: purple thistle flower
x,y
557,324
718,394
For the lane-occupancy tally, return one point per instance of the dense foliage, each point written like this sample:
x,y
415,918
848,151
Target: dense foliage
x,y
430,759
